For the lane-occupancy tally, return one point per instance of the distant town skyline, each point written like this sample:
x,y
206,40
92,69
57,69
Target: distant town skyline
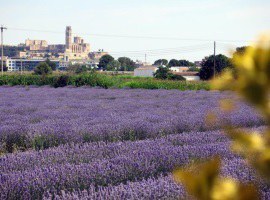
x,y
194,25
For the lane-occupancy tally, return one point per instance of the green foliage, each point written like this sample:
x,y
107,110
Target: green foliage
x,y
43,69
193,69
165,73
113,66
162,73
51,64
207,70
77,69
42,142
4,67
12,51
16,142
61,81
161,62
165,84
173,62
126,64
104,61
185,63
100,80
240,51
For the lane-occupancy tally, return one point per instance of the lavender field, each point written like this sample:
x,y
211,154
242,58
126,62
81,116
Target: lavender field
x,y
86,143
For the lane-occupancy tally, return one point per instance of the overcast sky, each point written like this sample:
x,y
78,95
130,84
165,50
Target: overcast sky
x,y
230,22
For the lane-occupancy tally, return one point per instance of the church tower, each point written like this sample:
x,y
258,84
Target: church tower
x,y
68,38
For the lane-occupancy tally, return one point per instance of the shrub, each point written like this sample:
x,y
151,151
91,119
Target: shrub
x,y
165,73
43,69
61,81
15,142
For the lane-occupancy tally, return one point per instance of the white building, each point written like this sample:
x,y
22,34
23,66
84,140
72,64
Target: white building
x,y
189,76
17,64
179,69
145,71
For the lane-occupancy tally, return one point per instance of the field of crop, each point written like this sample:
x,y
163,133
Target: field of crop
x,y
86,143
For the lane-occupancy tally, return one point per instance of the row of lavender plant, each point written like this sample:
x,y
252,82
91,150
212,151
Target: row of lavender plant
x,y
148,159
163,187
65,115
88,152
122,162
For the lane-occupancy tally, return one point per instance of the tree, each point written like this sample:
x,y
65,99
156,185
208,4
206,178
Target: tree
x,y
51,64
104,61
173,62
113,66
165,73
78,69
207,70
185,63
43,69
193,69
240,50
160,62
12,51
126,64
4,67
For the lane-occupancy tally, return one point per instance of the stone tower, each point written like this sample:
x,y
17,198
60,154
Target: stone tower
x,y
68,38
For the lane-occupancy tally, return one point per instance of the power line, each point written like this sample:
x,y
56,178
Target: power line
x,y
131,36
166,49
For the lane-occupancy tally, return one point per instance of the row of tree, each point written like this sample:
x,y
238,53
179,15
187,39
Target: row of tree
x,y
108,63
173,63
222,62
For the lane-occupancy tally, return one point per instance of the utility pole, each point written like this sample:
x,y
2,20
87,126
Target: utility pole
x,y
214,59
2,45
21,66
145,58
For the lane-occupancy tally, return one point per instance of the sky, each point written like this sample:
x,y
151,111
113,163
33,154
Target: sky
x,y
181,29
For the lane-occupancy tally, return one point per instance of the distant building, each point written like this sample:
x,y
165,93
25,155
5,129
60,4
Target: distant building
x,y
145,71
189,76
75,47
198,63
56,48
36,45
17,64
139,63
179,69
96,55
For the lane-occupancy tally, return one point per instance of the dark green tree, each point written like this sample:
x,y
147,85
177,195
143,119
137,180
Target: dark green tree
x,y
185,63
113,66
51,64
104,61
165,73
207,70
126,64
173,62
160,62
77,68
12,51
43,69
4,67
240,50
193,69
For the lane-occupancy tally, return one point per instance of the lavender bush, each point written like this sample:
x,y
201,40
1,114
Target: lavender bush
x,y
65,115
31,175
111,144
